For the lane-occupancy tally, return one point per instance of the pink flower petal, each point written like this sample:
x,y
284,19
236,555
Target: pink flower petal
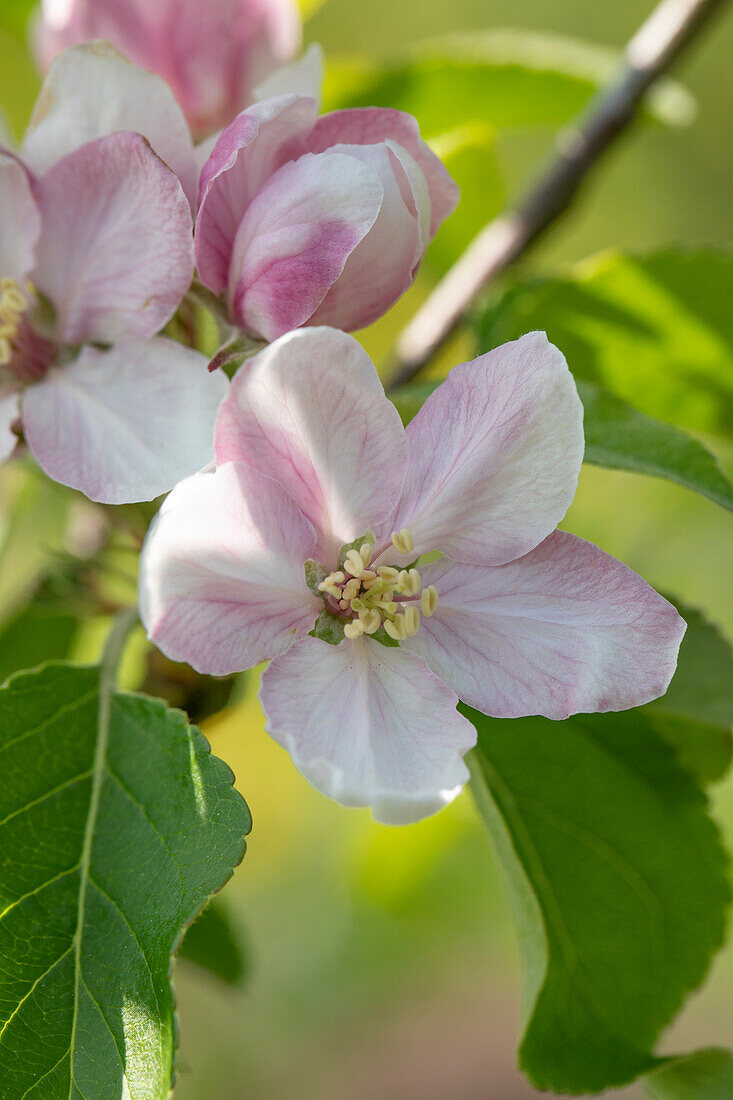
x,y
126,424
369,125
254,146
368,726
383,265
116,253
91,91
495,455
311,412
295,238
222,584
563,630
9,412
20,222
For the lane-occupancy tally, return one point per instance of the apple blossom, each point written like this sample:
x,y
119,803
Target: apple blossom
x,y
388,572
212,53
96,249
307,220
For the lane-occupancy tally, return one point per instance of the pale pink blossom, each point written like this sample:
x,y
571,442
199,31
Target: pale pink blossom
x,y
212,53
457,560
96,252
307,220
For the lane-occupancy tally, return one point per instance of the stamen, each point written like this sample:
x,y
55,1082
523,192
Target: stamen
x,y
365,552
391,628
402,541
13,305
429,600
354,563
371,620
388,572
412,620
351,589
354,628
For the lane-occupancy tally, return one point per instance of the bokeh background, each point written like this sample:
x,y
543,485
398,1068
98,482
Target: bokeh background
x,y
382,963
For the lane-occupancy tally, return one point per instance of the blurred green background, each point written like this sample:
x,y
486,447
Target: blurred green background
x,y
381,963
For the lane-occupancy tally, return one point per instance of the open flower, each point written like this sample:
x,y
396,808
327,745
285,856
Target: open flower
x,y
307,220
96,252
212,54
454,563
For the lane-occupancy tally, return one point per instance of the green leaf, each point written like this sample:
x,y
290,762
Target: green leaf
x,y
705,1075
469,154
622,438
505,78
116,825
656,331
33,523
329,628
696,713
315,574
34,635
211,944
618,882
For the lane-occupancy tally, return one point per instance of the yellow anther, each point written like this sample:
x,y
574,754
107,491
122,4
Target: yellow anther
x,y
365,552
388,572
368,575
429,600
331,581
13,305
354,629
392,630
354,563
414,582
351,588
371,621
402,541
412,620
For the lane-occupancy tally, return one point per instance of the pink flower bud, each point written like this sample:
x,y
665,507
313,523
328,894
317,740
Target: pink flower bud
x,y
307,221
213,53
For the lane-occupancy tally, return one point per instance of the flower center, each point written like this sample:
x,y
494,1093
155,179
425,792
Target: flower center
x,y
13,305
382,597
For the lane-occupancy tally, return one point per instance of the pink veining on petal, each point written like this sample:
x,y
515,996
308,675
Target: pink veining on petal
x,y
311,412
367,125
564,629
222,581
368,726
495,454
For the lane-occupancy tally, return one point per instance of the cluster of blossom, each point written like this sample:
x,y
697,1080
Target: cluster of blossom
x,y
385,572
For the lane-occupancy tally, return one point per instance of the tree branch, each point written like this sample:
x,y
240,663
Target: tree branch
x,y
667,32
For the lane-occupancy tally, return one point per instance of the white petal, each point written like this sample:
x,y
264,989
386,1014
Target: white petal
x,y
368,726
126,424
301,77
565,629
495,454
222,584
93,90
311,412
9,412
20,222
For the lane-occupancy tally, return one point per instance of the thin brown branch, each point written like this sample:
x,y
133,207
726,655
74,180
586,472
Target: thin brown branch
x,y
667,32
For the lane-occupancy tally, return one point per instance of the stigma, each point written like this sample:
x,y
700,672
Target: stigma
x,y
385,597
13,304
